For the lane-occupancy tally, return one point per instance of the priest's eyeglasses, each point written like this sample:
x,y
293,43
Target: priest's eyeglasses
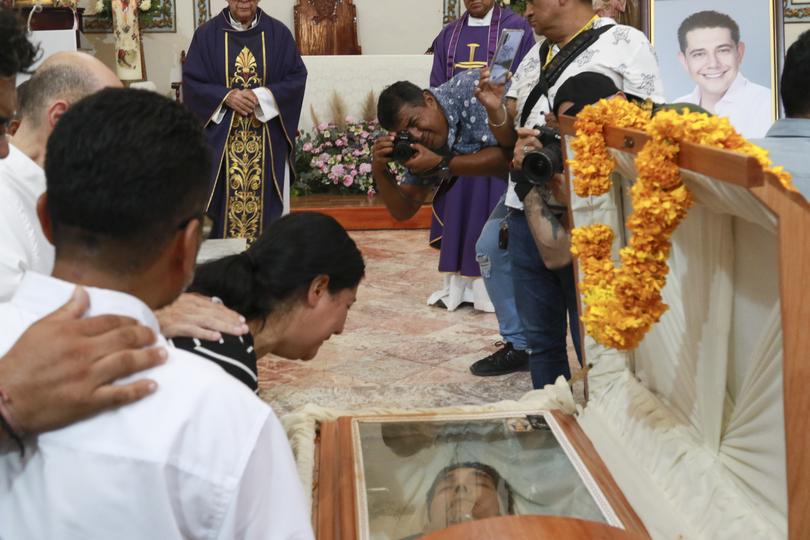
x,y
206,223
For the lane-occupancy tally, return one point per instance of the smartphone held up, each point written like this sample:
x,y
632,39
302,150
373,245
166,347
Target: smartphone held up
x,y
508,46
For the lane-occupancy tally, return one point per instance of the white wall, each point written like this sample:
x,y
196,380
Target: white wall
x,y
384,27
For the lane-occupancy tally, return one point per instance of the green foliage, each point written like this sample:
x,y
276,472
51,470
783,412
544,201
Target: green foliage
x,y
518,6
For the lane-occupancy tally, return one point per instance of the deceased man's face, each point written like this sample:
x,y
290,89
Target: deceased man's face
x,y
463,494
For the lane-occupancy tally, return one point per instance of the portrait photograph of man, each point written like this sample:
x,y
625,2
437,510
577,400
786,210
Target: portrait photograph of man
x,y
719,54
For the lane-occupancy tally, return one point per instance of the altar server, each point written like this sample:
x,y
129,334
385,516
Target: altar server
x,y
244,79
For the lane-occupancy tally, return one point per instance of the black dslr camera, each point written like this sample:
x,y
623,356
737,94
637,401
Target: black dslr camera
x,y
539,166
402,147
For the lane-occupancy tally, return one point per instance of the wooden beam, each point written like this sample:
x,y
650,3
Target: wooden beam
x,y
600,473
793,213
359,213
724,165
328,511
532,528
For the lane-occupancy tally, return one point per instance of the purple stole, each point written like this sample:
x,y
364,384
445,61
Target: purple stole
x,y
494,33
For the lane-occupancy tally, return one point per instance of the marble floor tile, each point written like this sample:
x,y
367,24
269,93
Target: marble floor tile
x,y
395,351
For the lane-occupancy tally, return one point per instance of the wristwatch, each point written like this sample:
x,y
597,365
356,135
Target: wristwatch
x,y
441,171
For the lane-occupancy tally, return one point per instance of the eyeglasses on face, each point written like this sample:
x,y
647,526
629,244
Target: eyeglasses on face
x,y
206,223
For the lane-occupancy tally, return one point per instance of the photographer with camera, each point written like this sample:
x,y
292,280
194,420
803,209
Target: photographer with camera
x,y
436,134
577,40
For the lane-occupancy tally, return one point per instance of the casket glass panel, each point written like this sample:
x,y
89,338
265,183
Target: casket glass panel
x,y
419,475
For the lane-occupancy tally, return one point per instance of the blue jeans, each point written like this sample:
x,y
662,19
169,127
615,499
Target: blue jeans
x,y
543,297
496,269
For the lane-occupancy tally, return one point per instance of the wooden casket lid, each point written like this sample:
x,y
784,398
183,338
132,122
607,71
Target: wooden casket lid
x,y
532,528
789,230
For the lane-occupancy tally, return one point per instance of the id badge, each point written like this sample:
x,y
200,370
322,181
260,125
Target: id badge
x,y
503,235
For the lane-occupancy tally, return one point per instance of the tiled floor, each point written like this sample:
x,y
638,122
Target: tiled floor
x,y
395,351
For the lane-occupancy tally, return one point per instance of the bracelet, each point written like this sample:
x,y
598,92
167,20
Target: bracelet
x,y
505,117
6,423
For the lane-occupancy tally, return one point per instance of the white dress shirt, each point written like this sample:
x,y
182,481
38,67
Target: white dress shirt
x,y
483,21
23,245
748,106
622,53
202,457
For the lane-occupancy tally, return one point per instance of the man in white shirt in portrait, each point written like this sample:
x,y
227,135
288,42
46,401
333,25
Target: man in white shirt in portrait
x,y
202,457
711,53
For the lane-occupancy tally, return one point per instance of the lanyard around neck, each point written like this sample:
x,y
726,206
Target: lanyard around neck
x,y
587,26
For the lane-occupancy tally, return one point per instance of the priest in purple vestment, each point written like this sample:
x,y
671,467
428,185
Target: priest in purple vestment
x,y
459,216
244,79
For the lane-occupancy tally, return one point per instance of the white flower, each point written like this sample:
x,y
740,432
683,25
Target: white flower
x,y
99,6
146,5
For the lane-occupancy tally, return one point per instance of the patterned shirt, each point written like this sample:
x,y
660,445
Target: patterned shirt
x,y
468,131
622,53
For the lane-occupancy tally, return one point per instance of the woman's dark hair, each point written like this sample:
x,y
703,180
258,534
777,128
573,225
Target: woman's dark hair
x,y
16,52
281,264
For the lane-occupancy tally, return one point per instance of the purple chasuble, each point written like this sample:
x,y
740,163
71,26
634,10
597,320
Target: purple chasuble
x,y
460,215
248,157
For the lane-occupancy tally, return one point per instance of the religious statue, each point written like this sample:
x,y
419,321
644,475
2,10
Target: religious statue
x,y
129,65
326,26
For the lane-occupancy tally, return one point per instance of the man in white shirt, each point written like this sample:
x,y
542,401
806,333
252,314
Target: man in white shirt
x,y
61,368
711,53
546,297
61,80
200,458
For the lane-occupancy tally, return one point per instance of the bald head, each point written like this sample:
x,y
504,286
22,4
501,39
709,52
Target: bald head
x,y
65,78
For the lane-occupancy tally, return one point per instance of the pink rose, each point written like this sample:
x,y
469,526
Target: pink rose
x,y
365,168
307,147
348,180
323,126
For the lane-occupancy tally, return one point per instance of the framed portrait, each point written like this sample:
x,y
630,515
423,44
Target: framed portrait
x,y
796,11
202,12
723,55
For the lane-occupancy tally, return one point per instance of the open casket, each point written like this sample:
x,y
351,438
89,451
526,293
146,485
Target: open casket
x,y
699,433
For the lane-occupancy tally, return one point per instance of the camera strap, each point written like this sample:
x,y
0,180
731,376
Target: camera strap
x,y
552,71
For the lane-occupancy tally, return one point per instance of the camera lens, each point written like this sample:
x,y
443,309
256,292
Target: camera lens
x,y
539,167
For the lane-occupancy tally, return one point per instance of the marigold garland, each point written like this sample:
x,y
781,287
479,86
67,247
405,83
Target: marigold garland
x,y
622,303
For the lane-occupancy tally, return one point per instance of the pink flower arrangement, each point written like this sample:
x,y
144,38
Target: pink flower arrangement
x,y
333,159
